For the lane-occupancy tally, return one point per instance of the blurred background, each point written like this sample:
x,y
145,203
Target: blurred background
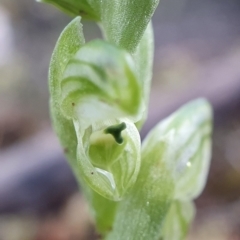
x,y
197,53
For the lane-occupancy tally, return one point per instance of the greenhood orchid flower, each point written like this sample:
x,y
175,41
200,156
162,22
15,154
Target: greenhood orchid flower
x,y
99,94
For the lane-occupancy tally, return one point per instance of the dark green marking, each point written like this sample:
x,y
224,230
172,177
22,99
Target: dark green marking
x,y
116,130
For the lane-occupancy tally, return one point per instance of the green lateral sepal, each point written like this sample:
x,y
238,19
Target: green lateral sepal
x,y
143,59
189,152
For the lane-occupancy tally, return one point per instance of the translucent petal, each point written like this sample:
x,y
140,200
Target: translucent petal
x,y
100,83
188,147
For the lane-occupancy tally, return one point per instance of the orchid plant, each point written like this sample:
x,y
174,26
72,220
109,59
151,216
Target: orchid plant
x,y
99,94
